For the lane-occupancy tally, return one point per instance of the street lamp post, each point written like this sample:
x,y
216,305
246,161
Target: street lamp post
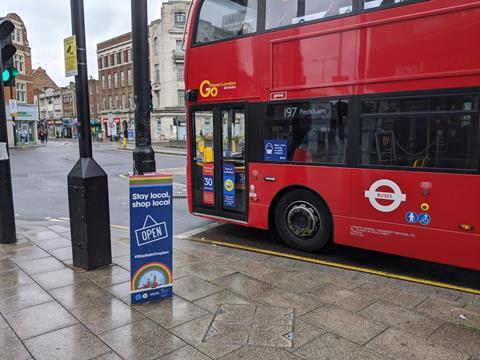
x,y
143,155
87,182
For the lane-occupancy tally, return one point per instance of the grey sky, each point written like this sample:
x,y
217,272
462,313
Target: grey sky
x,y
48,23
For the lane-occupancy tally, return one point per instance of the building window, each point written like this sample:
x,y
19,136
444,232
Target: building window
x,y
17,36
104,84
21,92
100,61
116,104
105,61
131,102
156,46
119,58
110,103
179,46
104,102
308,131
115,80
112,60
122,78
122,57
157,98
232,19
129,77
157,74
181,97
109,80
19,63
180,72
179,19
441,132
124,102
159,126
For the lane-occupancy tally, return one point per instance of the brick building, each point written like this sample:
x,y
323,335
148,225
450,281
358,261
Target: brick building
x,y
94,100
115,76
22,130
42,81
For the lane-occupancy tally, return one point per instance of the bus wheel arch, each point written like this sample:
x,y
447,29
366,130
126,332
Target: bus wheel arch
x,y
315,218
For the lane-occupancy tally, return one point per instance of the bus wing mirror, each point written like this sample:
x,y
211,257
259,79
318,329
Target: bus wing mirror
x,y
192,95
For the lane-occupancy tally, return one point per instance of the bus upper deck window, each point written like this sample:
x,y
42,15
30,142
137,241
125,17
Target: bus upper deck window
x,y
225,19
287,12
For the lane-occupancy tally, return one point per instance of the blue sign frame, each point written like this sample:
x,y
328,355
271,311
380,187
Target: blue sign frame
x,y
151,245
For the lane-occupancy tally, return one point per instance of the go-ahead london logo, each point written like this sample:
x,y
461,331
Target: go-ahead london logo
x,y
394,198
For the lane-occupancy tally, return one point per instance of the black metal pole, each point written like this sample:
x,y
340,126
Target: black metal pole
x,y
81,81
8,233
143,155
87,182
13,121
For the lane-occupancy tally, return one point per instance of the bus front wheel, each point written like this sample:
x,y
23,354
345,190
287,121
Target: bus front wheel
x,y
303,221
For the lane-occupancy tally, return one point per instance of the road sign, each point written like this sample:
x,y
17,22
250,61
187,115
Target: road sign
x,y
12,107
70,51
150,237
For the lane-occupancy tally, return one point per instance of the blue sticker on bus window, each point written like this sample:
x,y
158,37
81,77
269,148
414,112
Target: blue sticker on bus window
x,y
411,217
424,219
229,200
275,150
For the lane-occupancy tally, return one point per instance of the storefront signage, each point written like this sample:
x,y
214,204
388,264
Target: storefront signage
x,y
229,200
151,237
275,150
208,183
12,106
25,112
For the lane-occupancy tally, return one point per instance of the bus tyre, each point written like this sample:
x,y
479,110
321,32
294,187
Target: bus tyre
x,y
303,221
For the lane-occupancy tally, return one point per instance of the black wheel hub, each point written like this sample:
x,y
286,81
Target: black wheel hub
x,y
303,220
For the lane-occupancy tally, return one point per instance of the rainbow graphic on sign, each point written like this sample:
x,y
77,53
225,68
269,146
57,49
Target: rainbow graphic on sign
x,y
150,180
151,276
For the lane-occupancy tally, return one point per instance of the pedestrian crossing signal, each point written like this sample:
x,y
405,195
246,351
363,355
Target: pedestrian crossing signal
x,y
9,72
9,75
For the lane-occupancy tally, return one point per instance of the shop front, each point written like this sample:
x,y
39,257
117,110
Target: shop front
x,y
96,130
111,125
22,128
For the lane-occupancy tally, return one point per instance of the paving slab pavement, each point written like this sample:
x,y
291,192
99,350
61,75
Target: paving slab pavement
x,y
228,304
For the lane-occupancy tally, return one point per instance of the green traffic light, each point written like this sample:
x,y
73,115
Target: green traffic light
x,y
5,75
9,74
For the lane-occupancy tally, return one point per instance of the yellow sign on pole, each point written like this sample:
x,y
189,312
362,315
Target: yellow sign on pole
x,y
70,50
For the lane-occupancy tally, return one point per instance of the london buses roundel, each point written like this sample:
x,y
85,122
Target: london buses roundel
x,y
393,198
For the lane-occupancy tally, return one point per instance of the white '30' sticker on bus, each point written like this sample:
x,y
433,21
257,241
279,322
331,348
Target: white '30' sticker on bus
x,y
394,198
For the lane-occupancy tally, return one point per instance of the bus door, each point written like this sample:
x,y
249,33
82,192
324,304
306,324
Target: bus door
x,y
219,166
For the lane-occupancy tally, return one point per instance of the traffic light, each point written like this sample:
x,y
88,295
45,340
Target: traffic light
x,y
9,72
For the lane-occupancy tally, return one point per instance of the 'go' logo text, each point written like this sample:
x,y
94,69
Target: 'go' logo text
x,y
207,89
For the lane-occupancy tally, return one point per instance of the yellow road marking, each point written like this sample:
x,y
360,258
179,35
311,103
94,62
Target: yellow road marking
x,y
340,266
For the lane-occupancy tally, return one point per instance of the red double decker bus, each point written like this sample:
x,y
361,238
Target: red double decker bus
x,y
352,121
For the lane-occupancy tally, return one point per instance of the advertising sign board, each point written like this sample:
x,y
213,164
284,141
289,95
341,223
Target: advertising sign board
x,y
150,237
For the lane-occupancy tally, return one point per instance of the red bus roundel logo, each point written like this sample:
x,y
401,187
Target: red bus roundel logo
x,y
394,198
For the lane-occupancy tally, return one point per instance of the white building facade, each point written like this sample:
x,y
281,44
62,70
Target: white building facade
x,y
168,121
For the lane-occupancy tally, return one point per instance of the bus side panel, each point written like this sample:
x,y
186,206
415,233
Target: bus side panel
x,y
426,209
332,184
314,60
445,247
431,50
